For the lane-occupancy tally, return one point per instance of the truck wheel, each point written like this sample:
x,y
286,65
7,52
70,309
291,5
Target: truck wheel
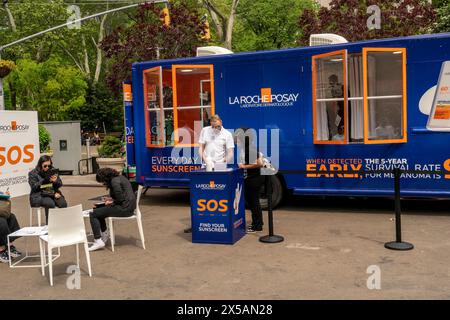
x,y
277,194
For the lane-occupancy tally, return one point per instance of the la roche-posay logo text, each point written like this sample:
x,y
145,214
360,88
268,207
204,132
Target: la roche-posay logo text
x,y
211,186
266,99
14,127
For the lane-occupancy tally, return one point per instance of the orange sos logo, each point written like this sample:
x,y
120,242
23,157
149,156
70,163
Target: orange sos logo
x,y
212,205
15,154
447,168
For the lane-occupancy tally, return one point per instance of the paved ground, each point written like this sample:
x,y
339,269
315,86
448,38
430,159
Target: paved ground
x,y
329,245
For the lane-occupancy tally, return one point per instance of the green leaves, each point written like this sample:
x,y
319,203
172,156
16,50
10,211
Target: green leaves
x,y
44,139
111,147
51,87
99,107
269,24
443,15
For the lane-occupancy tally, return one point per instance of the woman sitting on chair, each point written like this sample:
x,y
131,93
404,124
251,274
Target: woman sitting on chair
x,y
8,224
121,203
45,184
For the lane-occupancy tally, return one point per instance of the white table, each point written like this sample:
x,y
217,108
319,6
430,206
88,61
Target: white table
x,y
26,233
87,213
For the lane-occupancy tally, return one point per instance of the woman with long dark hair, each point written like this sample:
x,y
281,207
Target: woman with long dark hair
x,y
121,203
45,186
251,161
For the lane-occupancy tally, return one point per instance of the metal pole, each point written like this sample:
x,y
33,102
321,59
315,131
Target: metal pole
x,y
2,98
398,244
88,154
398,209
271,238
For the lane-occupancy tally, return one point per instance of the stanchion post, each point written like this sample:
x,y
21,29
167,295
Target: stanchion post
x,y
271,238
398,244
88,154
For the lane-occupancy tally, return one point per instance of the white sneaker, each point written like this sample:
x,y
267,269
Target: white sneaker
x,y
105,236
98,244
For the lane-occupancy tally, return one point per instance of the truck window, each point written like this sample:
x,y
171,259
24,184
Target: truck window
x,y
330,98
384,95
153,107
356,99
193,101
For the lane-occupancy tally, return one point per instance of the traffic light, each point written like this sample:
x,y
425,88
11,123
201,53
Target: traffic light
x,y
207,35
165,16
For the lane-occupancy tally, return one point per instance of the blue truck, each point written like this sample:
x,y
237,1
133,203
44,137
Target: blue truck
x,y
364,108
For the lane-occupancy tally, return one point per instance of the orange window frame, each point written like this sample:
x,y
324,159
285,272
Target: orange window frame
x,y
175,98
314,95
148,142
366,97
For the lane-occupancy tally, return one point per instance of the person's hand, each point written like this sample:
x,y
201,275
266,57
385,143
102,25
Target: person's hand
x,y
105,199
241,166
108,202
53,178
57,195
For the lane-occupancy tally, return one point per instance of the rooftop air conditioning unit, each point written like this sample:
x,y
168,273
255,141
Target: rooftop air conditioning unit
x,y
212,50
325,38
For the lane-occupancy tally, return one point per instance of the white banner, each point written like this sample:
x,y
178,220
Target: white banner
x,y
439,119
19,150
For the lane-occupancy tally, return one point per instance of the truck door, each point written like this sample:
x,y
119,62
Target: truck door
x,y
153,108
330,101
193,101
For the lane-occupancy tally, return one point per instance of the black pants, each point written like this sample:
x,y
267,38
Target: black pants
x,y
252,194
99,215
7,226
50,203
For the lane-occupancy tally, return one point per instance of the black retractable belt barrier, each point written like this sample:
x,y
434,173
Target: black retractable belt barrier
x,y
271,237
398,244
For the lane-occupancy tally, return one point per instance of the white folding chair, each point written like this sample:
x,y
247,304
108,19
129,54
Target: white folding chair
x,y
137,215
65,228
38,211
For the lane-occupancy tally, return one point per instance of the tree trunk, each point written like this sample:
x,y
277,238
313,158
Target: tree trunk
x,y
39,52
230,24
79,64
101,34
217,18
223,25
86,58
2,96
12,22
13,93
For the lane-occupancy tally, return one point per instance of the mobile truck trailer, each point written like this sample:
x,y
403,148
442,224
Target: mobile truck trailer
x,y
363,106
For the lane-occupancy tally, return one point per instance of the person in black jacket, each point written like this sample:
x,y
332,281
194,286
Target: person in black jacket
x,y
121,203
45,188
8,225
251,161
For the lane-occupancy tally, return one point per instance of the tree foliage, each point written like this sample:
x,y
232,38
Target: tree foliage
x,y
270,24
150,39
443,17
50,87
348,18
100,108
30,17
111,147
44,139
